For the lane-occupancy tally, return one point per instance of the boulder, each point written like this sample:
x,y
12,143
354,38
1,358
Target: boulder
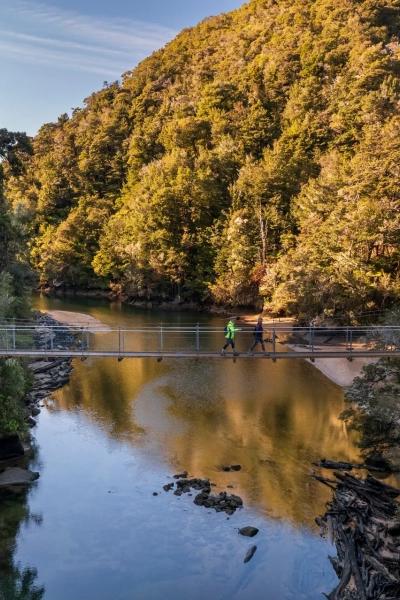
x,y
10,447
249,531
17,476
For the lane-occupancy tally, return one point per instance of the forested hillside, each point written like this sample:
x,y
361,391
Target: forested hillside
x,y
253,160
14,285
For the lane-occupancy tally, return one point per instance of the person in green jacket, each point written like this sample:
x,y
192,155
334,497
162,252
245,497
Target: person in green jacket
x,y
230,331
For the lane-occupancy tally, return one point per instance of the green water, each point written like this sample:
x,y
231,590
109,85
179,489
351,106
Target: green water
x,y
118,431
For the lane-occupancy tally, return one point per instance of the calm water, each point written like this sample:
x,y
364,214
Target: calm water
x,y
119,431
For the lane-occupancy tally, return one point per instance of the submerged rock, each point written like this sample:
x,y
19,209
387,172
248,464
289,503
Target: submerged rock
x,y
250,553
249,531
168,486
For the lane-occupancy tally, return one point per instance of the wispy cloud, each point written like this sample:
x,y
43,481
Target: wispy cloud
x,y
38,33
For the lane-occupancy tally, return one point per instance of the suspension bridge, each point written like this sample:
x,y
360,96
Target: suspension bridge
x,y
197,342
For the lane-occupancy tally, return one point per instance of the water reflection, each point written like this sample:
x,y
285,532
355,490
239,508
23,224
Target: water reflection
x,y
16,582
118,430
273,419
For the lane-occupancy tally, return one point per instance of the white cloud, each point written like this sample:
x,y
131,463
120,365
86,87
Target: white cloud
x,y
44,34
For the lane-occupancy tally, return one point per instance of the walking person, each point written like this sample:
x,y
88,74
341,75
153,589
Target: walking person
x,y
258,335
230,331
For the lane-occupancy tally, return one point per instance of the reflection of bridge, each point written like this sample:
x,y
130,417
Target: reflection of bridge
x,y
199,341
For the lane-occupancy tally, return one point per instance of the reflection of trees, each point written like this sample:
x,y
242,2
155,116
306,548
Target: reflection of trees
x,y
15,583
21,585
274,422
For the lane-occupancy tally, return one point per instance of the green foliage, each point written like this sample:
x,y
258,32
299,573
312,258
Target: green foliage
x,y
253,159
13,386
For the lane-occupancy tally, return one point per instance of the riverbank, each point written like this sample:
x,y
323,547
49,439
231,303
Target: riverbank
x,y
339,370
46,377
66,317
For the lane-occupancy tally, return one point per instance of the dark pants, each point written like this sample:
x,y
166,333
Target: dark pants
x,y
257,341
229,342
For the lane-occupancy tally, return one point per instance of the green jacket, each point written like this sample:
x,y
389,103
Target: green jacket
x,y
231,330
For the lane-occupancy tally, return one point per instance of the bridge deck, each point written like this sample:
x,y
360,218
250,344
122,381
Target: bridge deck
x,y
195,342
317,354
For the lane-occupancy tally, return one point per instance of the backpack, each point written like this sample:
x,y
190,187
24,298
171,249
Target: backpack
x,y
226,329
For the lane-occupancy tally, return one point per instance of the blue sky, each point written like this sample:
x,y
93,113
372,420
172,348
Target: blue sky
x,y
55,53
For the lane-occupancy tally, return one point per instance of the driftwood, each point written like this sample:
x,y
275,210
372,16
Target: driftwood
x,y
363,521
346,466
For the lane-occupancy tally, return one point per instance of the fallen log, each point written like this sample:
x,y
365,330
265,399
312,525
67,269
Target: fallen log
x,y
362,521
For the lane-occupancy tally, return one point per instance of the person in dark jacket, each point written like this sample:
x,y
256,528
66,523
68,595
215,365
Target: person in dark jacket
x,y
258,335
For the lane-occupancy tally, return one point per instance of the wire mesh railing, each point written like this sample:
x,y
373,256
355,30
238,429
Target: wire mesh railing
x,y
197,339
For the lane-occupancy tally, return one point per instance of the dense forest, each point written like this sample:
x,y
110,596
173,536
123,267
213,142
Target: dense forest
x,y
15,285
254,160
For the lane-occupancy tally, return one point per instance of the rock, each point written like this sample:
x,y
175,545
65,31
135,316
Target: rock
x,y
10,447
17,476
249,554
31,421
228,468
168,486
35,411
222,502
155,494
182,475
249,531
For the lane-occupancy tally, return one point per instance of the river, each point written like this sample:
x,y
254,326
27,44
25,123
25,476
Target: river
x,y
118,432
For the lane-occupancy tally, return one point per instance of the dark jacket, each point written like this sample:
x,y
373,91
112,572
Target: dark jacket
x,y
258,332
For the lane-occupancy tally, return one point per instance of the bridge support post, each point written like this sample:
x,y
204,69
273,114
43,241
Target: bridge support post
x,y
13,337
351,345
197,338
161,339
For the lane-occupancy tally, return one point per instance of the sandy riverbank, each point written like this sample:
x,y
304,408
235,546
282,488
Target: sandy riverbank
x,y
67,317
339,370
